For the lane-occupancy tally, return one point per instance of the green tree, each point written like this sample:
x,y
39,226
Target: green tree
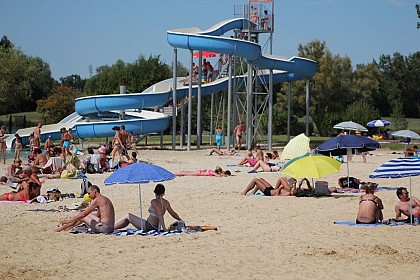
x,y
137,76
73,81
58,105
23,79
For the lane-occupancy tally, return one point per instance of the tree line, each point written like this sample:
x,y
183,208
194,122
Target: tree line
x,y
386,87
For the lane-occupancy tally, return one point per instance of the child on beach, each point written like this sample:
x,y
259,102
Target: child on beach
x,y
18,146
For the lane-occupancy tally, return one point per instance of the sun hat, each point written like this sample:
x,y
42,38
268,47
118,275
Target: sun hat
x,y
102,150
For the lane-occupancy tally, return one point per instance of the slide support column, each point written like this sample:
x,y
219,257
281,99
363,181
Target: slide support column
x,y
307,108
229,117
190,104
175,62
289,97
249,108
199,117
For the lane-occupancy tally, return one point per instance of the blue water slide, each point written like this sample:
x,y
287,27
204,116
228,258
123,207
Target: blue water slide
x,y
292,69
297,68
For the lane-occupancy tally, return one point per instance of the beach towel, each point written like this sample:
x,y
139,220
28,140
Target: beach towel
x,y
131,231
369,225
7,201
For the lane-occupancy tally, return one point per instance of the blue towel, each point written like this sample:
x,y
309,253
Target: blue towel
x,y
257,194
354,224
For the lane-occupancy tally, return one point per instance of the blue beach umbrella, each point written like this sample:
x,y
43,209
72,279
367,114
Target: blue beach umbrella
x,y
399,168
139,173
344,144
378,123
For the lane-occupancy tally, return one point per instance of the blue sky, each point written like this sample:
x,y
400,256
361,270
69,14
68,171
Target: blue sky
x,y
71,35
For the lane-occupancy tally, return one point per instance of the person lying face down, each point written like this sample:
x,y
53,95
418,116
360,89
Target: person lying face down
x,y
218,172
28,191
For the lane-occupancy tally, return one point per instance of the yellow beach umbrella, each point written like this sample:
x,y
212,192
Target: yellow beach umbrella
x,y
296,147
311,166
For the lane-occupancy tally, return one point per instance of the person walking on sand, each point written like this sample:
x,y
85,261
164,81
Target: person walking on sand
x,y
101,222
3,144
37,135
239,132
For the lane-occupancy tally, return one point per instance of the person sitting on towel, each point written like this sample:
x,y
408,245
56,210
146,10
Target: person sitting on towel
x,y
403,206
266,165
284,187
157,210
101,222
370,206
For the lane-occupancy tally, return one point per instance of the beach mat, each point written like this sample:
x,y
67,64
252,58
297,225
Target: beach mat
x,y
346,223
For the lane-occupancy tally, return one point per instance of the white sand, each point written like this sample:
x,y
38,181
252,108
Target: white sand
x,y
258,237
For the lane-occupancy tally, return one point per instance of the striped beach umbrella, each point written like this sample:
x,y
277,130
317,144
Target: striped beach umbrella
x,y
399,168
378,123
296,147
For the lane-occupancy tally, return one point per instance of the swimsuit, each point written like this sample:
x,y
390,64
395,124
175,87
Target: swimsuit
x,y
267,191
98,227
369,223
203,172
219,139
66,144
252,161
373,200
22,197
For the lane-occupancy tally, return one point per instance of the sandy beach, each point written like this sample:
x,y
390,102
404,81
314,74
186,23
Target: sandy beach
x,y
257,237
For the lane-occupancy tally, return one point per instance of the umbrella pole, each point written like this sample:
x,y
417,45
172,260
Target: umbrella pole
x,y
141,208
348,173
411,205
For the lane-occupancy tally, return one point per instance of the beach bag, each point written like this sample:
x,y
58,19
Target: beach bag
x,y
353,182
90,168
84,186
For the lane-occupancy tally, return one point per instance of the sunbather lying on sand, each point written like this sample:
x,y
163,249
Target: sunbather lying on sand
x,y
218,172
265,165
29,190
222,153
284,187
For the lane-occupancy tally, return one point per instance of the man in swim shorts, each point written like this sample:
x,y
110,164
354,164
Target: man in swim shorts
x,y
403,206
101,222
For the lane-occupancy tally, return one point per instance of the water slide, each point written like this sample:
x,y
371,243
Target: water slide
x,y
96,115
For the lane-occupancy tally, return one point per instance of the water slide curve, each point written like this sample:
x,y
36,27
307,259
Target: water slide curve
x,y
91,108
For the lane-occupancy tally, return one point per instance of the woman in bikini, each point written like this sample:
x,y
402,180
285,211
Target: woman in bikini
x,y
117,144
370,206
266,165
157,210
218,172
284,187
18,146
29,190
